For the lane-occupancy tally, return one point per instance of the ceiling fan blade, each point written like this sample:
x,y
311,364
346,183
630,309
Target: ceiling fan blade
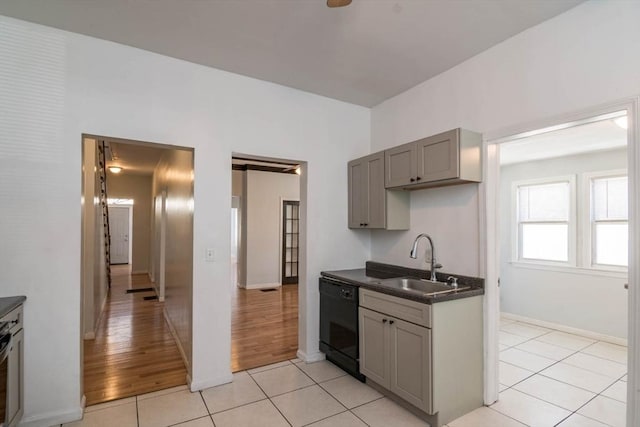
x,y
338,3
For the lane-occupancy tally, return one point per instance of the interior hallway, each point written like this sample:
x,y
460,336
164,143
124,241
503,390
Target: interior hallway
x,y
134,351
264,326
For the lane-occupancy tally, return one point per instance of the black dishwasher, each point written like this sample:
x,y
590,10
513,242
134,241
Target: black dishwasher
x,y
339,325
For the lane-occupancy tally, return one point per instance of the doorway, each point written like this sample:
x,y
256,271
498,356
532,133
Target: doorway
x,y
132,339
565,218
265,259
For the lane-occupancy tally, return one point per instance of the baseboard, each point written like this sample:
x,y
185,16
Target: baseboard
x,y
91,335
48,419
310,358
564,328
178,343
263,286
212,382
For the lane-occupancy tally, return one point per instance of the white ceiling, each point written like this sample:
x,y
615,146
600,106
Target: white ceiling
x,y
363,53
598,136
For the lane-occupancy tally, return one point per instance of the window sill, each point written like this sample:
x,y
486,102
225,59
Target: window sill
x,y
617,274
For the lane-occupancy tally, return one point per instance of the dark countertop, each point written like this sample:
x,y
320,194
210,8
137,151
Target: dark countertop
x,y
9,303
369,278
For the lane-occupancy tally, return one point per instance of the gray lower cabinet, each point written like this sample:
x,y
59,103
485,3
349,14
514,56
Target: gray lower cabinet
x,y
370,204
396,355
452,157
15,368
374,346
429,355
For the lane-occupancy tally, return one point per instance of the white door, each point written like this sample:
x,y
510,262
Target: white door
x,y
119,229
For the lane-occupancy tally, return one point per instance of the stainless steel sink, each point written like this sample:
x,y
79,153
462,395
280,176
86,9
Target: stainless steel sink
x,y
422,287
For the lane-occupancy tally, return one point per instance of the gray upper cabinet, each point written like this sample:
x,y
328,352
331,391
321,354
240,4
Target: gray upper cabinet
x,y
452,157
400,165
370,204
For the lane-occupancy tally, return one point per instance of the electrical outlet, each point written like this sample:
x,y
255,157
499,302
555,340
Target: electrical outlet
x,y
210,255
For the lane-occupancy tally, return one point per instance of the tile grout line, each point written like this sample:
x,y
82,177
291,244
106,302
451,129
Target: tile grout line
x,y
269,399
505,415
207,408
265,370
137,413
566,357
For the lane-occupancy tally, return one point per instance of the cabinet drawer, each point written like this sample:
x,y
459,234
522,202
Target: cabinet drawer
x,y
15,318
400,308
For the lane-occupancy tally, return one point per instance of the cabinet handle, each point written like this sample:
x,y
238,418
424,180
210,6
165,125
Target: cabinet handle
x,y
411,179
391,322
366,225
384,320
418,179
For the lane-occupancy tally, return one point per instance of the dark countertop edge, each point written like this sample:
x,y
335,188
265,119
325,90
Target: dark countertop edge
x,y
7,304
358,277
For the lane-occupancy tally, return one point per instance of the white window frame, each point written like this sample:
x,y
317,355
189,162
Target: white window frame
x,y
587,226
516,243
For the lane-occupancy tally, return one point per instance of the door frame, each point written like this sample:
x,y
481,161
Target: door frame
x,y
490,243
130,231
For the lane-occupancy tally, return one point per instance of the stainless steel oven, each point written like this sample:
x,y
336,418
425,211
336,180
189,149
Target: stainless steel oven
x,y
5,347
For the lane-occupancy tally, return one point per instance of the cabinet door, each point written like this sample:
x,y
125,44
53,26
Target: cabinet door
x,y
374,349
410,376
375,212
437,157
357,193
15,380
400,166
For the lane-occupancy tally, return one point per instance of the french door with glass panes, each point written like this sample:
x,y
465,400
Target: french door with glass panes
x,y
290,238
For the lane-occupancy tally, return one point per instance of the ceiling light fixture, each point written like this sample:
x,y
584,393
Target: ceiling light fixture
x,y
115,169
622,122
338,3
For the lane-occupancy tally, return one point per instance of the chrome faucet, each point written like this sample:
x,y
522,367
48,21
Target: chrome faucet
x,y
414,254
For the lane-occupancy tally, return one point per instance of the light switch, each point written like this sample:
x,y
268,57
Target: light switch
x,y
210,255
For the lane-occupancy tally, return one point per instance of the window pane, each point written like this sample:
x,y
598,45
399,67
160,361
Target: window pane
x,y
609,198
546,202
545,242
611,244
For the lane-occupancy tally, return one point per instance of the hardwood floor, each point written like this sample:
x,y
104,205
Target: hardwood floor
x,y
264,326
134,351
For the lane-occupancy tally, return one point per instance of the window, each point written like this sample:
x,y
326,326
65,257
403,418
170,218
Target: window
x,y
609,231
544,212
557,223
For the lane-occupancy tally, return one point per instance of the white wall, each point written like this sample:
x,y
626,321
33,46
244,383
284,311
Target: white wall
x,y
55,86
575,61
263,227
138,188
173,175
579,299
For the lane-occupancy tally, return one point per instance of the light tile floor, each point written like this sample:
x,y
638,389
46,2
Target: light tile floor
x,y
552,378
548,378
